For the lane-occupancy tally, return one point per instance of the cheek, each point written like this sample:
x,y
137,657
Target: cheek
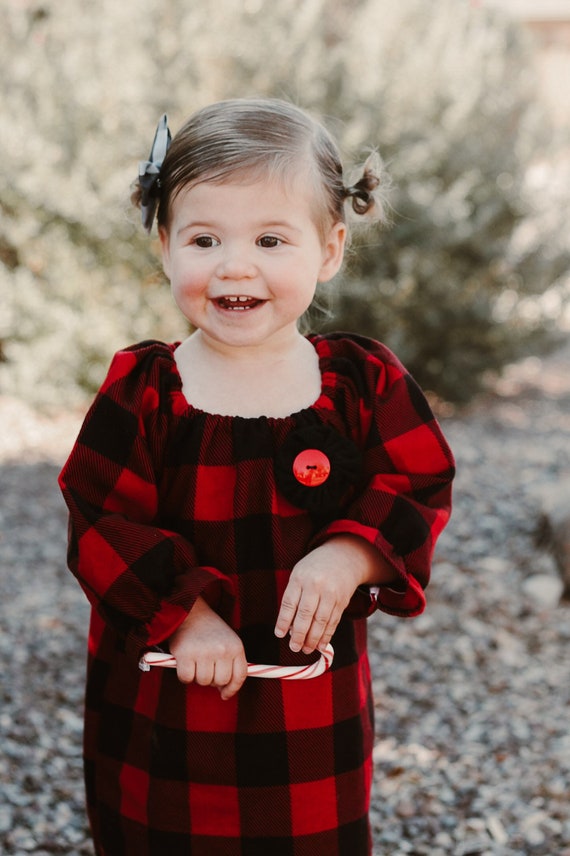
x,y
187,276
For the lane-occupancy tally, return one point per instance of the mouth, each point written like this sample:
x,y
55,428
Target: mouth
x,y
238,302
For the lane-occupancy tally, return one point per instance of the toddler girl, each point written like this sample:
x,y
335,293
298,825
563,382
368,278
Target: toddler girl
x,y
246,495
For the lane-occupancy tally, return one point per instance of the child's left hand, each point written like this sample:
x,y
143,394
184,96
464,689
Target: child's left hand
x,y
320,588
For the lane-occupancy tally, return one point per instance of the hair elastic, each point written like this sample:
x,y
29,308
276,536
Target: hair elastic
x,y
149,172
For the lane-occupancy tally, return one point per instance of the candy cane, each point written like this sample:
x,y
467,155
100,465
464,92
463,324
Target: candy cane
x,y
254,670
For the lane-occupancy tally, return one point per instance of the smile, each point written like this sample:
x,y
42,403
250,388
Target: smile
x,y
238,303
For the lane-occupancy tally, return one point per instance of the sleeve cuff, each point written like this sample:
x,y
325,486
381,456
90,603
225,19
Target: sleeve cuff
x,y
406,601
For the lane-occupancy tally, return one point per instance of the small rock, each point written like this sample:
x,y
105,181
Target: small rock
x,y
535,837
22,839
497,830
473,847
544,590
406,809
494,564
444,840
6,818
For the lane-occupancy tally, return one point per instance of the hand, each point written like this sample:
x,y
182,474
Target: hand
x,y
208,651
320,588
318,592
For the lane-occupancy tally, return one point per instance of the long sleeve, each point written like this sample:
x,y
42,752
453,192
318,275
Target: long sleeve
x,y
408,470
141,578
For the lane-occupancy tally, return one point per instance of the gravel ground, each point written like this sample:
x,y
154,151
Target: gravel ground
x,y
473,698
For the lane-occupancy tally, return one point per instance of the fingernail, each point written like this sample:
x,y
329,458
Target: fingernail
x,y
294,646
279,633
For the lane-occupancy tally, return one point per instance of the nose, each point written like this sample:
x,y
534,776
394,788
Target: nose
x,y
235,264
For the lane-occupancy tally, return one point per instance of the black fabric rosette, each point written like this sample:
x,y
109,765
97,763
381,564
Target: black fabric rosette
x,y
345,470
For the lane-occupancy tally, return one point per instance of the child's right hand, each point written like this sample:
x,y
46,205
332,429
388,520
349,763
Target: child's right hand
x,y
208,651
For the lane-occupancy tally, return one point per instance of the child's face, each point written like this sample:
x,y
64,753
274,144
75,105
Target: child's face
x,y
244,259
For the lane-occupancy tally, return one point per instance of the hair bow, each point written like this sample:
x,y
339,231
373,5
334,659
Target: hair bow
x,y
149,172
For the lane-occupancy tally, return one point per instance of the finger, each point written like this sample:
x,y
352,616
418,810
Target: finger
x,y
323,626
239,674
304,618
205,674
321,630
314,633
222,673
185,670
287,611
328,634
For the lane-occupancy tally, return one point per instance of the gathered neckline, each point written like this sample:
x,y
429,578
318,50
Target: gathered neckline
x,y
187,408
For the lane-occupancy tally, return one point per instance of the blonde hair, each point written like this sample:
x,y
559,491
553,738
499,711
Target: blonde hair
x,y
259,137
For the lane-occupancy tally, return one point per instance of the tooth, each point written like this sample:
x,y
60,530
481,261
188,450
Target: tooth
x,y
244,299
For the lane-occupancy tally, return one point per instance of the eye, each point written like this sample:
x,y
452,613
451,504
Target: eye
x,y
205,242
269,242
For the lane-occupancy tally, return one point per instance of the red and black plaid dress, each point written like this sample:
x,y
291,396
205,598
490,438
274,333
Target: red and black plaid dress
x,y
167,503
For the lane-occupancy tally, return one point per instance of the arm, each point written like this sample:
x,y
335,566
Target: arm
x,y
208,651
387,535
321,587
142,578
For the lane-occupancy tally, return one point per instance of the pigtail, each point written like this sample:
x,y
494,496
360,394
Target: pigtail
x,y
368,194
136,193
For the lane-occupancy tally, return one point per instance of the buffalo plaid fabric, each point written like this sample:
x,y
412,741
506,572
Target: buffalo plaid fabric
x,y
167,503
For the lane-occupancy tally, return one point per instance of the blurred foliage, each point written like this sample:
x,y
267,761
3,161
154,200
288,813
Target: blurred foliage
x,y
445,90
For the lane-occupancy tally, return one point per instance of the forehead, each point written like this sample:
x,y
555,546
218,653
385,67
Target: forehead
x,y
297,190
260,194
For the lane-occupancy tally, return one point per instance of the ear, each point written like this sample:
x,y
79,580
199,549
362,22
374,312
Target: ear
x,y
333,252
165,250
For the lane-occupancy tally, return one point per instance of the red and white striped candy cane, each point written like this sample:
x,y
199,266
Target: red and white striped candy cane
x,y
254,670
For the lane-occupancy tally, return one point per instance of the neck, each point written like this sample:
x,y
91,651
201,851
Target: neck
x,y
263,381
285,346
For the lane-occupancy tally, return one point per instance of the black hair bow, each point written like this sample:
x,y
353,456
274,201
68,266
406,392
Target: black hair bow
x,y
149,173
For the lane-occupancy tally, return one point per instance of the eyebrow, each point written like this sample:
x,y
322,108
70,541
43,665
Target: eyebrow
x,y
195,224
281,224
273,224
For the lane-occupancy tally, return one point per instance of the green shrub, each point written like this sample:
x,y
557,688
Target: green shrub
x,y
445,90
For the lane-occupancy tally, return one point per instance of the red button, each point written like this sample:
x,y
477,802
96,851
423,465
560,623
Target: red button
x,y
311,467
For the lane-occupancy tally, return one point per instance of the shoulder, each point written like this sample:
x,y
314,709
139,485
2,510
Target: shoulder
x,y
373,373
143,362
359,349
140,360
133,402
365,360
130,417
140,375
